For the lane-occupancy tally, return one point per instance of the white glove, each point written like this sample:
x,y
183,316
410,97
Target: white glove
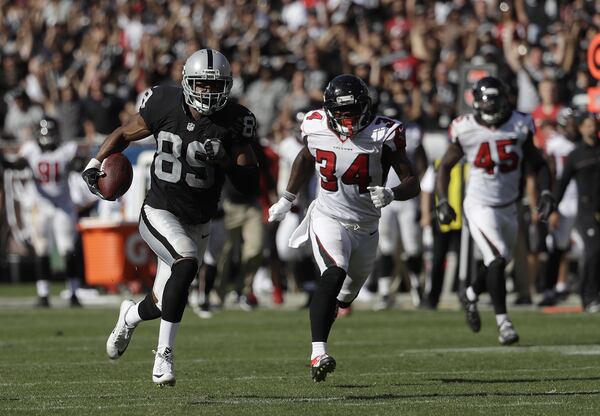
x,y
381,196
280,208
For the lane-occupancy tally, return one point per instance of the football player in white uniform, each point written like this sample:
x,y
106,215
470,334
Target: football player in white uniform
x,y
400,220
494,140
53,217
352,150
561,222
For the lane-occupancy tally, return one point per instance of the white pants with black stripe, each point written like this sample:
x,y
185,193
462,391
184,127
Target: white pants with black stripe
x,y
171,241
351,247
493,229
399,219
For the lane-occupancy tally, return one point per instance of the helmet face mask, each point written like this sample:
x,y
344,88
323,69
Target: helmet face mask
x,y
347,105
206,81
490,101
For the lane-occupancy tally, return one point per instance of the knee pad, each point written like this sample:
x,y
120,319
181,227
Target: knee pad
x,y
387,265
497,263
175,295
331,280
184,271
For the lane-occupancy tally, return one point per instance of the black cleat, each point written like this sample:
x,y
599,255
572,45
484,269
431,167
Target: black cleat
x,y
472,315
320,366
74,302
507,334
43,302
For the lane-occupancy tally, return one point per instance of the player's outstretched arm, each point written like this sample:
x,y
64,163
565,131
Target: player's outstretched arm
x,y
302,169
117,141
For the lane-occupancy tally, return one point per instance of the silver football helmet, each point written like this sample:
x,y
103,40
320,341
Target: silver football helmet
x,y
202,68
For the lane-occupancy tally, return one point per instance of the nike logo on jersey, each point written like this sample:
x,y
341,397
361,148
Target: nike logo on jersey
x,y
373,232
205,235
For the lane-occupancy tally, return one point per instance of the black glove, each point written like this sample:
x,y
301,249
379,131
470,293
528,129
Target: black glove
x,y
214,149
445,212
546,205
91,176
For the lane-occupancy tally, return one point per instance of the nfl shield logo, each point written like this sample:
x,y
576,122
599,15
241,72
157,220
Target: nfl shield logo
x,y
191,126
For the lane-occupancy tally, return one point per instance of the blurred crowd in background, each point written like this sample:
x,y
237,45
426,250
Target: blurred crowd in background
x,y
88,63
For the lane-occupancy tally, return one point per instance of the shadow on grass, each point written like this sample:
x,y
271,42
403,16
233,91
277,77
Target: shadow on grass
x,y
515,380
256,399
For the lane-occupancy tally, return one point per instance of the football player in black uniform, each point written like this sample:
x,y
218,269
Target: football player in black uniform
x,y
201,137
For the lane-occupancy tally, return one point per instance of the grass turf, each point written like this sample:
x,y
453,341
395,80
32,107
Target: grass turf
x,y
389,363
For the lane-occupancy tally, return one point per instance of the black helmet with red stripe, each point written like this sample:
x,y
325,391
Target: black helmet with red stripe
x,y
347,104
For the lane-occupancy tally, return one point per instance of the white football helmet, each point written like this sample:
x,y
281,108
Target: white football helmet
x,y
206,65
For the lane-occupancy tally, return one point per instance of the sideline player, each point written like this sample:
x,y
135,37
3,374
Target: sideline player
x,y
201,137
352,150
494,140
399,221
54,216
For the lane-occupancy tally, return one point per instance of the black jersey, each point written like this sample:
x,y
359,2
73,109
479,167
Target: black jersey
x,y
181,182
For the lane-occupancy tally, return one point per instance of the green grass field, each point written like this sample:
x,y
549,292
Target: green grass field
x,y
389,363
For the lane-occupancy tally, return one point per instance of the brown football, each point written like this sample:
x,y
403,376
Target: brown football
x,y
118,176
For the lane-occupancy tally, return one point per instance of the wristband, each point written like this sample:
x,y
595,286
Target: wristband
x,y
289,196
93,164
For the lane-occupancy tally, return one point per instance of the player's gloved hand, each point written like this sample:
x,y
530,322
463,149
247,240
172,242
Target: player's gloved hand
x,y
381,196
91,174
546,205
445,212
214,149
280,208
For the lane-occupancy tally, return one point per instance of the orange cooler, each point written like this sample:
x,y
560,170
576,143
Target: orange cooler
x,y
115,254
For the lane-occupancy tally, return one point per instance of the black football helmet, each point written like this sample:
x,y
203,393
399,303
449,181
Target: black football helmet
x,y
490,101
347,104
48,136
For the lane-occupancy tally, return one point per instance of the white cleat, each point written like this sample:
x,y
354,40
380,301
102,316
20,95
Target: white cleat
x,y
119,338
163,373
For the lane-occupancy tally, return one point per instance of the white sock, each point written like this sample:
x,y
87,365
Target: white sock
x,y
167,333
471,295
318,348
501,318
384,284
43,288
72,284
132,317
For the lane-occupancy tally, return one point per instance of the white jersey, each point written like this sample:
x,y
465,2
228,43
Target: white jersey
x,y
347,166
50,170
558,148
495,156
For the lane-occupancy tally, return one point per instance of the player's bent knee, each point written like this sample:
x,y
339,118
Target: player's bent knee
x,y
332,279
185,270
498,262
